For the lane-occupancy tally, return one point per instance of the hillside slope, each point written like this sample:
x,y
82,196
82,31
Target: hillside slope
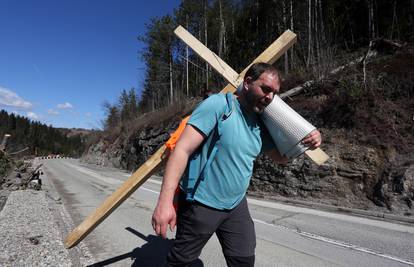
x,y
367,126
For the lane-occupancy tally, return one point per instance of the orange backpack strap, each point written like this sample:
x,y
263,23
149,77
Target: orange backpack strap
x,y
170,144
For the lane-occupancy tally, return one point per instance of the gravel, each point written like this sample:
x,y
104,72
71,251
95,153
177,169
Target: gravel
x,y
31,232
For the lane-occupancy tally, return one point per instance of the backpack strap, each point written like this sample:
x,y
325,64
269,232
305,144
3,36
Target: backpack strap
x,y
213,148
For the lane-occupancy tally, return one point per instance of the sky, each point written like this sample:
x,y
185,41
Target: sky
x,y
60,60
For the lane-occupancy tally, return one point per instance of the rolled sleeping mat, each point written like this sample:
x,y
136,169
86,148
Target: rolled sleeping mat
x,y
286,127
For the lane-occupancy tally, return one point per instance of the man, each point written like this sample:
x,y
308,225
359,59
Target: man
x,y
213,201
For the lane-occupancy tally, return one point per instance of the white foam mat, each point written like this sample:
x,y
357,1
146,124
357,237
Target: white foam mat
x,y
286,127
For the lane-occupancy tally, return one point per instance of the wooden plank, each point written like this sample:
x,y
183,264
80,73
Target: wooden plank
x,y
156,160
281,44
317,155
213,60
117,198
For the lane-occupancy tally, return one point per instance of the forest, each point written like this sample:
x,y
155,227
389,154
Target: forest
x,y
39,138
330,33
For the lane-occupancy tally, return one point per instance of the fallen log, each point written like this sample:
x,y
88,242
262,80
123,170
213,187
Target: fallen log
x,y
375,48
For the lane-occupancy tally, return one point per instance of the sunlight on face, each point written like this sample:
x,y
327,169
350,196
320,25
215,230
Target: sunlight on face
x,y
260,92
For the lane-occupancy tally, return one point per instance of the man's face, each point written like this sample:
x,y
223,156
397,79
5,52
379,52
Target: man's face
x,y
260,93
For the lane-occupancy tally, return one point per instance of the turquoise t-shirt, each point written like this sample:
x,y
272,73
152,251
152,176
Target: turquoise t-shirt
x,y
243,137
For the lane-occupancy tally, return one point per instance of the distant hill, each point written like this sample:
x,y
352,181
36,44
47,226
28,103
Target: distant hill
x,y
70,132
39,138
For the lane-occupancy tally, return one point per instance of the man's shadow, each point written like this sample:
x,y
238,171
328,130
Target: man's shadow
x,y
151,254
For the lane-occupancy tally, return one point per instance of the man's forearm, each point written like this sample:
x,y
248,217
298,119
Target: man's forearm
x,y
176,165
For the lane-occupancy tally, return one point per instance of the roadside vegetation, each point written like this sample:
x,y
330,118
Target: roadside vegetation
x,y
35,138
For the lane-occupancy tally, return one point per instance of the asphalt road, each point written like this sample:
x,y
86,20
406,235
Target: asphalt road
x,y
286,235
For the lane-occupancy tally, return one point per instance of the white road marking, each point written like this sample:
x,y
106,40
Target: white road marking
x,y
321,238
107,180
338,243
151,180
146,189
336,216
155,181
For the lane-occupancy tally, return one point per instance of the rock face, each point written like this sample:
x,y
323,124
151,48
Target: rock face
x,y
355,176
104,154
144,143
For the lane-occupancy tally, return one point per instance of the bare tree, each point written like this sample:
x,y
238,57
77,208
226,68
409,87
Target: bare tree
x,y
171,79
310,37
394,22
371,20
186,61
286,57
317,34
205,40
222,33
292,28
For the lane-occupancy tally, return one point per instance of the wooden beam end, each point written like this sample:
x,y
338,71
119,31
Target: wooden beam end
x,y
317,155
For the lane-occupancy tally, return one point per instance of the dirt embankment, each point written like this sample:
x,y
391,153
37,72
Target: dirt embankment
x,y
367,126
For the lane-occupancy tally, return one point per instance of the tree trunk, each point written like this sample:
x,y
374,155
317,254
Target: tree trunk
x,y
186,63
310,44
257,17
293,30
222,33
205,42
286,57
322,29
171,80
371,19
317,37
394,22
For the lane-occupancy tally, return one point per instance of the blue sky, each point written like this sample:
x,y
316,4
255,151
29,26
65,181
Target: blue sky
x,y
61,59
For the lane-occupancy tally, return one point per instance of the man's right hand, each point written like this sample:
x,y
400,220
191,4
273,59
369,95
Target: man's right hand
x,y
164,215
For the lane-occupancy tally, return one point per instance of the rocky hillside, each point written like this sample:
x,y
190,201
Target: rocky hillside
x,y
366,117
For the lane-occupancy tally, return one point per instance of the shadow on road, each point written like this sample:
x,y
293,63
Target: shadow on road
x,y
151,254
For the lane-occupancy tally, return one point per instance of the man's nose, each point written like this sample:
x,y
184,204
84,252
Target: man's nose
x,y
269,97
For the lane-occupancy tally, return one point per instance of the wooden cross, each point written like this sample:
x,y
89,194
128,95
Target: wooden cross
x,y
317,155
270,55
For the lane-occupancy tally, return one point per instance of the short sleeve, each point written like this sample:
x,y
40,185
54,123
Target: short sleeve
x,y
206,115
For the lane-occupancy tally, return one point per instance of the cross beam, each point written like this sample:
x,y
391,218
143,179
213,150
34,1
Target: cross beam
x,y
270,55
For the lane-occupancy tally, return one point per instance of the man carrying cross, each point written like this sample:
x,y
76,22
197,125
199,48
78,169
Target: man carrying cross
x,y
212,198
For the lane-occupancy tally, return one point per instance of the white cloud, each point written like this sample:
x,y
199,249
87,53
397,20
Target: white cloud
x,y
32,115
10,99
88,114
52,112
66,105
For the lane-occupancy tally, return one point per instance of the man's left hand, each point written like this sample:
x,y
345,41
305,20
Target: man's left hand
x,y
313,140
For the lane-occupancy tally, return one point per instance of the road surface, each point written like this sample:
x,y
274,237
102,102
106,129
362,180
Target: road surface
x,y
286,235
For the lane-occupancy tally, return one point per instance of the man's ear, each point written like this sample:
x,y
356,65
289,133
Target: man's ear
x,y
247,80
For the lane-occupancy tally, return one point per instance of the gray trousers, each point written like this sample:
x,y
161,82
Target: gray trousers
x,y
196,223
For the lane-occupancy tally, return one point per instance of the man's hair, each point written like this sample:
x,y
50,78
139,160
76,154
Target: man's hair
x,y
258,69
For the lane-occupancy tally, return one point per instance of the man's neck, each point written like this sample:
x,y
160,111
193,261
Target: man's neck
x,y
245,106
